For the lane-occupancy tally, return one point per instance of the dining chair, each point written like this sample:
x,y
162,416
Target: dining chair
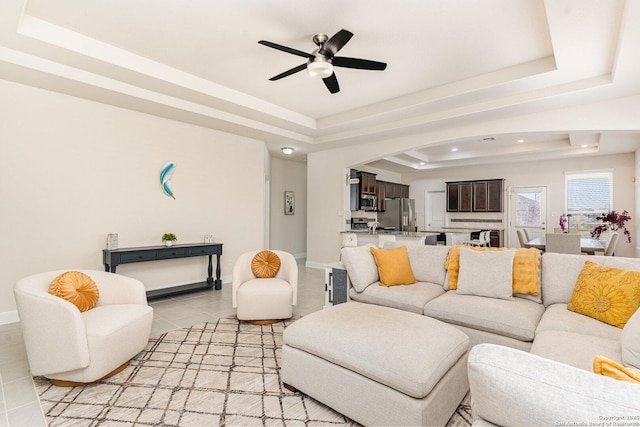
x,y
521,238
527,236
484,239
611,243
563,243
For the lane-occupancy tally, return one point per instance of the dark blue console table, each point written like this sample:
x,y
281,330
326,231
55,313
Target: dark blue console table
x,y
111,258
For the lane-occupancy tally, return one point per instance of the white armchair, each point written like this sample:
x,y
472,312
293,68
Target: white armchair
x,y
71,347
264,300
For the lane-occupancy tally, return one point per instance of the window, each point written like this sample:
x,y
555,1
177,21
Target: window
x,y
588,195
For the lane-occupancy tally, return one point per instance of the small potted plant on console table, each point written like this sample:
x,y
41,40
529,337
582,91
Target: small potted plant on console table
x,y
169,239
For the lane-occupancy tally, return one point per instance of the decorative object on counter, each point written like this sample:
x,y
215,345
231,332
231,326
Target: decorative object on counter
x,y
208,238
612,221
564,222
289,202
165,178
112,241
169,239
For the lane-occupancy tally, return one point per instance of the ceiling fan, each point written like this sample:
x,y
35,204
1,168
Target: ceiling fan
x,y
321,61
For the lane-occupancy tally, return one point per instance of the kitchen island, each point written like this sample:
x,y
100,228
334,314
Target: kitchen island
x,y
452,235
364,237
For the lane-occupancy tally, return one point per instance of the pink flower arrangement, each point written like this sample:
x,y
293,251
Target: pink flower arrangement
x,y
563,221
613,221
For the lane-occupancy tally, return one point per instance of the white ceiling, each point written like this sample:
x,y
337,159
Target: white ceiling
x,y
455,60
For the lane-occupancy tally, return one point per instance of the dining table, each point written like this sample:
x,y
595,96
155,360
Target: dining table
x,y
588,246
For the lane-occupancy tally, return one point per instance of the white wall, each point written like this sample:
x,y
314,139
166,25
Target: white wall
x,y
636,220
288,232
551,175
74,170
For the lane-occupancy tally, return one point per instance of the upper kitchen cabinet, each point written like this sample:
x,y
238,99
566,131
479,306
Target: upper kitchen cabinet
x,y
459,196
487,196
367,182
475,196
381,195
396,191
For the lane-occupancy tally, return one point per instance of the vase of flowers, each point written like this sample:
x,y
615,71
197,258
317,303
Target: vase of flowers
x,y
564,219
613,221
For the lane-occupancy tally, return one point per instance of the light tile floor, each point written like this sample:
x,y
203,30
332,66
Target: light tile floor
x,y
19,405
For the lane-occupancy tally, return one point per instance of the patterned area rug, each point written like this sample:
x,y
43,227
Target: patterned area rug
x,y
222,373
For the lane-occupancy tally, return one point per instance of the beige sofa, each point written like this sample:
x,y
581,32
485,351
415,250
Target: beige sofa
x,y
560,342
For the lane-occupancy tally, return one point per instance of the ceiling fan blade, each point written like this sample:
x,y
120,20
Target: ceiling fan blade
x,y
361,64
335,43
289,72
331,83
286,49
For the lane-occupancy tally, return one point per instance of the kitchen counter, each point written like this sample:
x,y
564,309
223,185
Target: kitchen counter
x,y
394,233
451,230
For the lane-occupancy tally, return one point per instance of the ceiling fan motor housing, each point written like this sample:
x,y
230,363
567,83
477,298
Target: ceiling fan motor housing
x,y
320,38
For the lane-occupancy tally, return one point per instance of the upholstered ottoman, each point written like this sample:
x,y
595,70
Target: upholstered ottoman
x,y
378,365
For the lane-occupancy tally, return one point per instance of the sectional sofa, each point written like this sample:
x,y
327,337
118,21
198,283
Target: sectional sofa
x,y
532,359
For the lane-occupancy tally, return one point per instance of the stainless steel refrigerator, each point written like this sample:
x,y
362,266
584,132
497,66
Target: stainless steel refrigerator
x,y
399,214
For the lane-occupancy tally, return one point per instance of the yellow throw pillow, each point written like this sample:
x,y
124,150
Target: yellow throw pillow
x,y
610,368
608,294
393,266
265,264
77,288
526,268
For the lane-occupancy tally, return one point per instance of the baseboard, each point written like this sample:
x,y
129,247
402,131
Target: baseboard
x,y
9,317
315,264
300,255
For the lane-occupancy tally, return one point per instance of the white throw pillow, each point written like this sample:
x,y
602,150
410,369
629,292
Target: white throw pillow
x,y
486,273
361,266
630,341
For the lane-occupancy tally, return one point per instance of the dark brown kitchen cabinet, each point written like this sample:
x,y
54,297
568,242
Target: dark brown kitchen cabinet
x,y
496,240
367,183
464,201
487,196
480,196
459,196
404,191
396,191
453,194
494,195
381,194
475,196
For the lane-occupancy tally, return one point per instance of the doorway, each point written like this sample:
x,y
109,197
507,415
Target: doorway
x,y
528,209
435,208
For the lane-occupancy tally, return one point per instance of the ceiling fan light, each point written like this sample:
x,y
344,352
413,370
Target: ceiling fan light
x,y
320,69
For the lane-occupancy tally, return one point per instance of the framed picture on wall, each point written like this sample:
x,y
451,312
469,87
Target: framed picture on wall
x,y
289,202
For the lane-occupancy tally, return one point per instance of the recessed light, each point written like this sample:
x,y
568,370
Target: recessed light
x,y
520,141
422,163
454,149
